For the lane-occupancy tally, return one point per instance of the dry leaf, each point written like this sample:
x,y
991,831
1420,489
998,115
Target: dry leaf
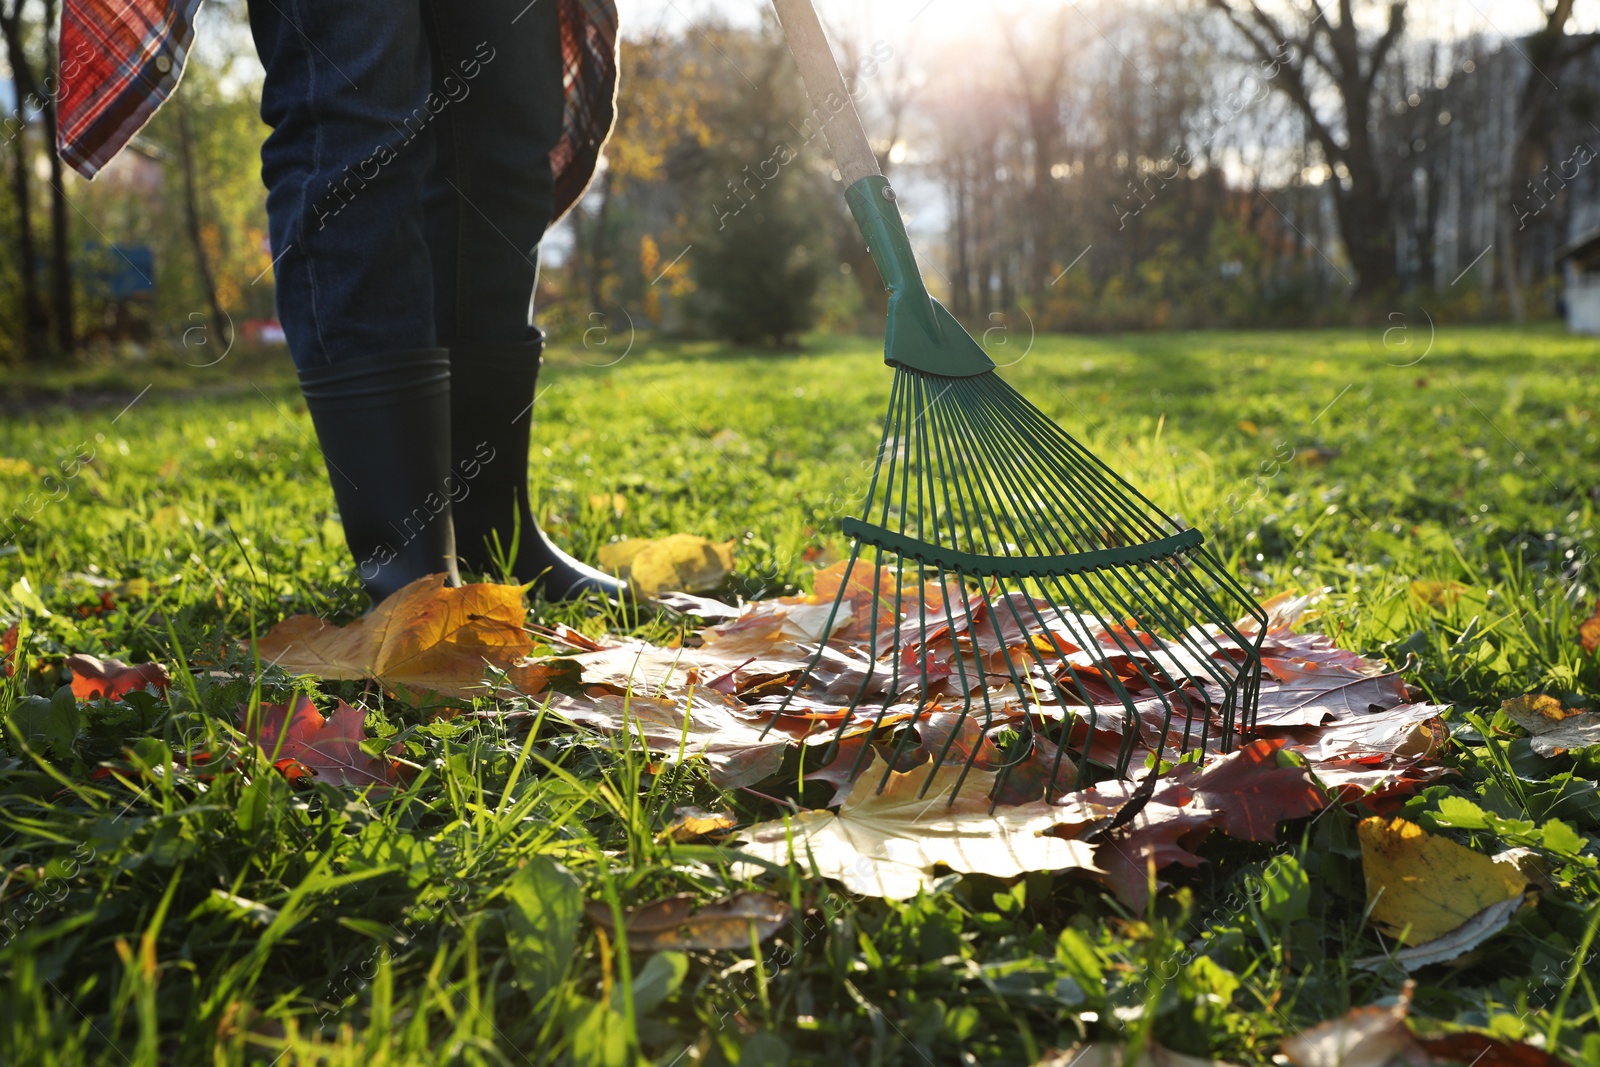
x,y
1589,631
704,607
843,769
1105,1054
1251,793
1473,1049
328,747
887,844
1554,729
1464,938
1373,778
111,678
689,823
1159,836
735,745
1362,1037
674,923
1421,887
1378,1037
424,637
1408,730
681,563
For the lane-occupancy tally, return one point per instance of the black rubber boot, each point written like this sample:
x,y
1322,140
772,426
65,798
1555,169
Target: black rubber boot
x,y
383,423
491,399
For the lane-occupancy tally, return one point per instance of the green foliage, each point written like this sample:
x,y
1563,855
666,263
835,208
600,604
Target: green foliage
x,y
167,900
760,249
758,279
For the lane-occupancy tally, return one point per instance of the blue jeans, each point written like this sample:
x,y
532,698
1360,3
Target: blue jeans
x,y
408,169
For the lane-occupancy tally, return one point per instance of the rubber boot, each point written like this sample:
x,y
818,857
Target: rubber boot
x,y
383,422
491,399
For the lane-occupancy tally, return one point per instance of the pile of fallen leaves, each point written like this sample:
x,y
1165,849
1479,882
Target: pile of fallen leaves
x,y
915,788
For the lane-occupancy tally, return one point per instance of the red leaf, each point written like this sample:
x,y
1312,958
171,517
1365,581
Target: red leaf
x,y
1483,1050
1158,836
844,769
1044,773
108,603
1374,778
8,649
1252,794
111,678
329,748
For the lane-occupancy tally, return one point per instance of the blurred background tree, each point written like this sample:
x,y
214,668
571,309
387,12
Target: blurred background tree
x,y
1106,165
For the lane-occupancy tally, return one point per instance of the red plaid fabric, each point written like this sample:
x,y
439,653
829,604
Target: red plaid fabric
x,y
121,59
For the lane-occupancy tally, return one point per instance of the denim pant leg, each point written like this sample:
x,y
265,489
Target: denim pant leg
x,y
347,97
490,194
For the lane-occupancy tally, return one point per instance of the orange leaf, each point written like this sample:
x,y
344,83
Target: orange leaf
x,y
8,649
1589,631
328,747
424,637
111,678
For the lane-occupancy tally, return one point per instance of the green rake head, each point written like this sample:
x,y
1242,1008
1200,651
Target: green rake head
x,y
1010,600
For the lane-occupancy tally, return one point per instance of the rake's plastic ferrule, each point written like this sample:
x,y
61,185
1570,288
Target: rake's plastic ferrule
x,y
921,334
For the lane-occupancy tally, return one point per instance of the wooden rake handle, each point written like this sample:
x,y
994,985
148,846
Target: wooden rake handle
x,y
830,100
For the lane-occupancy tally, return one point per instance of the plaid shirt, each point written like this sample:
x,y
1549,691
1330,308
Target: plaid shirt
x,y
121,59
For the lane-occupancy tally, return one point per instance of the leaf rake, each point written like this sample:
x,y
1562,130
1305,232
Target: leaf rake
x,y
1004,582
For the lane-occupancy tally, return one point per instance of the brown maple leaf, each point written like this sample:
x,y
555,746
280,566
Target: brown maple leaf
x,y
329,748
93,677
426,637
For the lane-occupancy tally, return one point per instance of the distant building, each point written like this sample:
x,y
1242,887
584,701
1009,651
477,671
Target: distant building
x,y
1580,275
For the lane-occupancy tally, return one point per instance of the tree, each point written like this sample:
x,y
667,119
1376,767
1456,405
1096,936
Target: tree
x,y
1549,50
757,256
34,313
60,237
1320,51
192,221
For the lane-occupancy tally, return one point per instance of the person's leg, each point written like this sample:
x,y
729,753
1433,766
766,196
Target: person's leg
x,y
488,201
347,94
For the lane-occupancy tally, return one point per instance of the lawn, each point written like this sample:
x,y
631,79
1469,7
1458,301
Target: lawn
x,y
1444,489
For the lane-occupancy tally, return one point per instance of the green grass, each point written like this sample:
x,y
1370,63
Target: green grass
x,y
158,915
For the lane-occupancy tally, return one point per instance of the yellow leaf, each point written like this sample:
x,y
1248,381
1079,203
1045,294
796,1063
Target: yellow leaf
x,y
681,563
617,557
691,822
614,502
1437,594
1421,887
424,637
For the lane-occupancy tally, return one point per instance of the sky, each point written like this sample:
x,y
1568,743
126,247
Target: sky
x,y
1445,18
